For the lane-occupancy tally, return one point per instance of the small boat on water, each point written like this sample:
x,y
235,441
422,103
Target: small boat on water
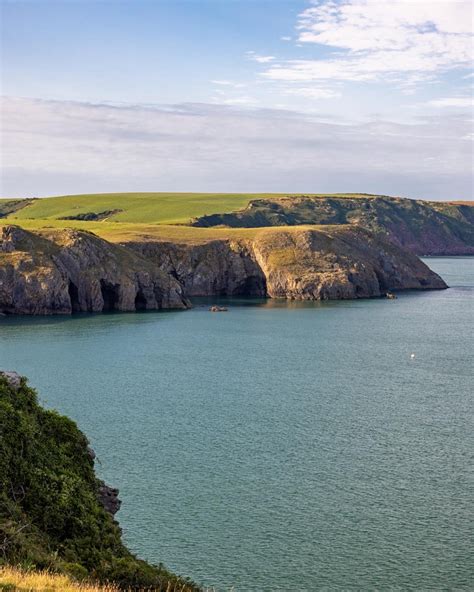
x,y
215,308
391,296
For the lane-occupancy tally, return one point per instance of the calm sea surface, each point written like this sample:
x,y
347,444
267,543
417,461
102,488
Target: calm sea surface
x,y
279,446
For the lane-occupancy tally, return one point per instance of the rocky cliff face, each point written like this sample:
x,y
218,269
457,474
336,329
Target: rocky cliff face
x,y
60,272
67,271
216,268
342,262
425,228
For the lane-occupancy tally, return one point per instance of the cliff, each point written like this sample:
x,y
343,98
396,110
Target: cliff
x,y
53,510
423,227
60,272
298,263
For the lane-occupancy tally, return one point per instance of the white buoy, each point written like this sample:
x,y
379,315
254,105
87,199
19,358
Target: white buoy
x,y
412,356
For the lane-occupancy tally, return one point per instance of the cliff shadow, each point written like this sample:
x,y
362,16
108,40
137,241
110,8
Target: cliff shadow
x,y
140,301
110,295
74,297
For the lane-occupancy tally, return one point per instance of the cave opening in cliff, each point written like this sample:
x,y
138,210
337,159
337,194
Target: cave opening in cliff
x,y
253,285
74,297
110,295
140,301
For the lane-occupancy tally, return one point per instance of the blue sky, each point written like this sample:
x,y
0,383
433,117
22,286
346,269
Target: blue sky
x,y
314,70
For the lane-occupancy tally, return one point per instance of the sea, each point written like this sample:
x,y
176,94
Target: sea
x,y
279,445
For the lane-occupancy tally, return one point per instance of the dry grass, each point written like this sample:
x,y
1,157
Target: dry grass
x,y
13,579
117,232
42,581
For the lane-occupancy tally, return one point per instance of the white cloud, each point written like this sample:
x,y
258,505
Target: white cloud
x,y
261,59
229,83
242,100
378,38
58,147
285,38
313,93
453,102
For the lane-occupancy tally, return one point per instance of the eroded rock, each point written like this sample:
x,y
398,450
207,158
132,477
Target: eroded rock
x,y
108,497
13,379
60,272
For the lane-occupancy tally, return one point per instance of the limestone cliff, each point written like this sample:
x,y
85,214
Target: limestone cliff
x,y
298,263
71,271
60,272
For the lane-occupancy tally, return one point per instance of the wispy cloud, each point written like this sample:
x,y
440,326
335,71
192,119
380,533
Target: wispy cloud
x,y
314,93
67,147
261,59
379,39
229,83
452,102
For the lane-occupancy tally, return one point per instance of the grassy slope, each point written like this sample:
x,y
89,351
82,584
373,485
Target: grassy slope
x,y
10,206
148,216
13,579
150,208
145,216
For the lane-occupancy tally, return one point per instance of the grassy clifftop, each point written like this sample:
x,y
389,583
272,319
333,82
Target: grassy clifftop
x,y
51,516
137,208
425,228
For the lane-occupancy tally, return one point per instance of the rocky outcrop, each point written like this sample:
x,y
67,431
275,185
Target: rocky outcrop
x,y
60,272
337,263
340,264
108,498
423,227
216,268
13,379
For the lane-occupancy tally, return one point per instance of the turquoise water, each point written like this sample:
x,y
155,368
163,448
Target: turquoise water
x,y
279,446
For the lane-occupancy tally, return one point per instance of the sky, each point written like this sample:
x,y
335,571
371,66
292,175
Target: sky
x,y
237,95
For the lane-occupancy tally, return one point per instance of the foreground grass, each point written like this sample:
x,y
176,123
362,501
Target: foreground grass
x,y
13,579
149,208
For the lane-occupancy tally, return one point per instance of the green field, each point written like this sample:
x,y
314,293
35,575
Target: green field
x,y
149,208
143,216
145,208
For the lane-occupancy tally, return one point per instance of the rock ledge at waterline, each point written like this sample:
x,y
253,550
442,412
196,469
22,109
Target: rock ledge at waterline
x,y
65,271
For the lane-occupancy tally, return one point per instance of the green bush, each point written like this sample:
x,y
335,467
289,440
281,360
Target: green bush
x,y
50,516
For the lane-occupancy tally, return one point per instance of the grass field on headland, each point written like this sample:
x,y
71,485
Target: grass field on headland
x,y
149,208
142,216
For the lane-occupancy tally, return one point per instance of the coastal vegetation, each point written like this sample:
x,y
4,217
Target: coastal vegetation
x,y
52,512
127,252
424,227
14,579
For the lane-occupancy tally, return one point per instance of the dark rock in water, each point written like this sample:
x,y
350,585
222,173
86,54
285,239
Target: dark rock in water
x,y
108,497
91,453
13,379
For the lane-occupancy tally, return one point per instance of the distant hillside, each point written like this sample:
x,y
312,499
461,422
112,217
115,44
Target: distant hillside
x,y
54,512
11,206
136,208
425,228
